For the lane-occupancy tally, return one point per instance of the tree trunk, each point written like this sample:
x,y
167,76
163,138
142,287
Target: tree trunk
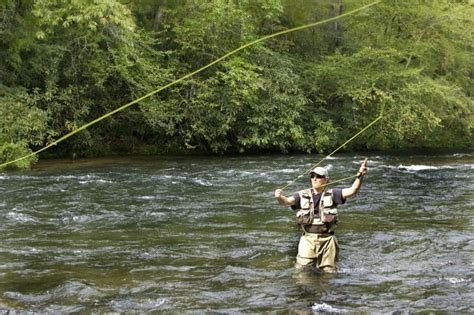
x,y
157,20
338,9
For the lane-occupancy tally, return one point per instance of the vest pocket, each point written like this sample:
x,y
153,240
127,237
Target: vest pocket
x,y
329,215
304,217
305,203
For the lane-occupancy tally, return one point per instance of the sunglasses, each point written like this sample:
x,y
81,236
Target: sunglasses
x,y
314,175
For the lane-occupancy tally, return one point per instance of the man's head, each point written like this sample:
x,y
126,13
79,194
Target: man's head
x,y
319,177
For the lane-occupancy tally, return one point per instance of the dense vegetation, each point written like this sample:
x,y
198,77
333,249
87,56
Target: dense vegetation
x,y
65,63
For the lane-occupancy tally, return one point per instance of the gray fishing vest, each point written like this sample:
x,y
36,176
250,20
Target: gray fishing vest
x,y
327,210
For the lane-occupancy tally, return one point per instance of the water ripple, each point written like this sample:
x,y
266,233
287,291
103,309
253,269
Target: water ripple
x,y
205,235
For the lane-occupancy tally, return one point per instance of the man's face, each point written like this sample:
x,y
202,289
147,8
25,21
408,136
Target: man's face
x,y
318,181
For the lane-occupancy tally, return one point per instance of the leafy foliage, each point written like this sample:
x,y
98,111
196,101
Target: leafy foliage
x,y
22,123
65,63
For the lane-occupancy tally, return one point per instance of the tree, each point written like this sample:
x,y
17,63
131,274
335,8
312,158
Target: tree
x,y
82,59
397,56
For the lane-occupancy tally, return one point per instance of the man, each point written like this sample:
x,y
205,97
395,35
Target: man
x,y
317,216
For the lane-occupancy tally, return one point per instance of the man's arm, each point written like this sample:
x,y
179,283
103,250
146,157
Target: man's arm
x,y
284,201
352,191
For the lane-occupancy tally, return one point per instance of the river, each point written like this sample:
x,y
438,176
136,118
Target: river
x,y
205,235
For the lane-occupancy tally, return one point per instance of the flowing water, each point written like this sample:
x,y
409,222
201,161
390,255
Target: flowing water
x,y
205,235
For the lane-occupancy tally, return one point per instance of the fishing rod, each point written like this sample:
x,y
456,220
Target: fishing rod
x,y
379,117
341,179
87,125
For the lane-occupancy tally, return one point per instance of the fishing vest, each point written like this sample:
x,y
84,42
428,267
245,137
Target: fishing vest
x,y
327,217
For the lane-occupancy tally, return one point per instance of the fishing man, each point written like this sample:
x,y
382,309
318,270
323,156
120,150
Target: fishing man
x,y
317,215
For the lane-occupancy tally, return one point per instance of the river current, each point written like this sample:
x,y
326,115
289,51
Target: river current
x,y
205,235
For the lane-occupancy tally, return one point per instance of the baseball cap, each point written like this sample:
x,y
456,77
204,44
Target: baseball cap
x,y
320,171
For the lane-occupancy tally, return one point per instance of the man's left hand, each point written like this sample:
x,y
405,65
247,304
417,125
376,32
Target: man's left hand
x,y
363,168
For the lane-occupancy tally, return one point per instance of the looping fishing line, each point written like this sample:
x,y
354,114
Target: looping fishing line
x,y
185,77
340,147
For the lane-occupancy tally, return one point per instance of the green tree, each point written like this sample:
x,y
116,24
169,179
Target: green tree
x,y
248,102
65,63
432,88
81,60
22,124
392,57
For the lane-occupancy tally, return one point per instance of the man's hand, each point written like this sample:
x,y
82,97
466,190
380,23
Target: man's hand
x,y
285,201
278,193
352,191
363,168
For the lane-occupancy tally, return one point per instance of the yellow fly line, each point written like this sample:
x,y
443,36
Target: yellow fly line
x,y
338,148
184,78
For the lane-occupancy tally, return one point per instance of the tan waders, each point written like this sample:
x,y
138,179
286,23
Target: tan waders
x,y
317,250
